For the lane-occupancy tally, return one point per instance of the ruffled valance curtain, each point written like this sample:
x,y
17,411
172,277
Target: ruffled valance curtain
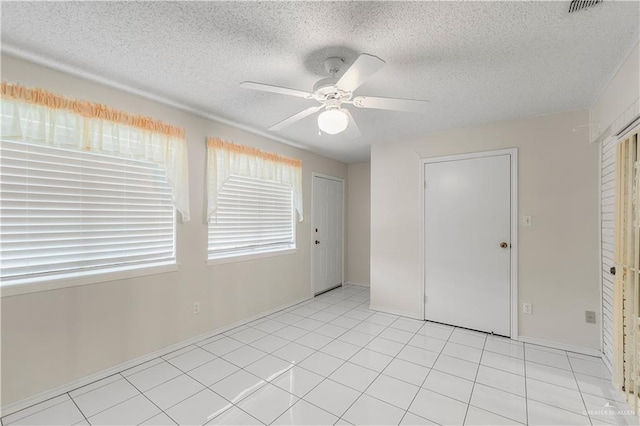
x,y
44,117
225,159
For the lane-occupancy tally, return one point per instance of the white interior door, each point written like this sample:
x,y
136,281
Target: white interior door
x,y
327,233
467,243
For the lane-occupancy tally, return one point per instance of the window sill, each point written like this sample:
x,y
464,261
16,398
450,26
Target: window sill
x,y
34,285
250,256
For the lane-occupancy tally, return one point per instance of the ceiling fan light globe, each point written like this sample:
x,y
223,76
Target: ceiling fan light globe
x,y
333,121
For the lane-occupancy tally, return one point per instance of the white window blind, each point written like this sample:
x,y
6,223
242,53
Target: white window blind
x,y
253,216
72,212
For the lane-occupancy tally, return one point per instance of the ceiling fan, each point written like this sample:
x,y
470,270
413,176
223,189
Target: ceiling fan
x,y
333,92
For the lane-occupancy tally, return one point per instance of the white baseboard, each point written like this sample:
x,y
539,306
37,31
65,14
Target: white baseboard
x,y
67,387
561,346
396,312
358,284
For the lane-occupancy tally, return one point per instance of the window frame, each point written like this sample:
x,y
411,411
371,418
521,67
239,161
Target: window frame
x,y
34,285
256,253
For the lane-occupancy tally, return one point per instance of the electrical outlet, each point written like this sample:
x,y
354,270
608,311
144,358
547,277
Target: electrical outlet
x,y
526,308
196,307
590,317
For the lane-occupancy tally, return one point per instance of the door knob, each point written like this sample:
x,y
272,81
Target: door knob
x,y
317,242
504,245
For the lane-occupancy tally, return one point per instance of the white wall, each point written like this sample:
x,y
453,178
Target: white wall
x,y
54,337
558,255
620,96
358,222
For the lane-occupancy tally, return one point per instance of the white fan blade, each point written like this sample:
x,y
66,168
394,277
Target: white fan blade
x,y
363,68
276,89
352,131
396,104
296,117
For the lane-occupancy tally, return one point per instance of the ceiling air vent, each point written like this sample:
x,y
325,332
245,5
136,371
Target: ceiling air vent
x,y
577,5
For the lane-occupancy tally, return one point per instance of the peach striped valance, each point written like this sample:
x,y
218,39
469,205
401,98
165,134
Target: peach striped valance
x,y
226,158
255,152
87,109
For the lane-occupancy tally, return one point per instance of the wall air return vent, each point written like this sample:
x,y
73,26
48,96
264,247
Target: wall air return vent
x,y
578,5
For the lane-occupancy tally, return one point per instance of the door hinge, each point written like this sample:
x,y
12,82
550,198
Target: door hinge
x,y
425,184
425,298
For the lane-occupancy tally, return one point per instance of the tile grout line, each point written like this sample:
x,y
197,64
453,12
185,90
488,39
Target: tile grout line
x,y
430,369
109,407
502,390
577,389
149,399
271,354
162,383
479,365
74,403
3,419
558,385
233,404
205,387
236,404
473,386
493,386
573,373
379,374
310,403
119,403
325,378
428,374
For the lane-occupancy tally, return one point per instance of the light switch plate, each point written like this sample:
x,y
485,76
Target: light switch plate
x,y
590,317
527,221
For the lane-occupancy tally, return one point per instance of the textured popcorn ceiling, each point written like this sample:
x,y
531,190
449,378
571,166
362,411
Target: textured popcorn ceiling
x,y
476,62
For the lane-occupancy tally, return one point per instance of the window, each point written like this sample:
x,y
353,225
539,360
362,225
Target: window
x,y
253,216
72,213
86,190
252,200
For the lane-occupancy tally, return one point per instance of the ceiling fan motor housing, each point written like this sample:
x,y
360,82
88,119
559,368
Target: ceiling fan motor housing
x,y
332,104
326,89
324,86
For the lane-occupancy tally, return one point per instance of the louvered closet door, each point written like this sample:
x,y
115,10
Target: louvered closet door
x,y
607,217
627,261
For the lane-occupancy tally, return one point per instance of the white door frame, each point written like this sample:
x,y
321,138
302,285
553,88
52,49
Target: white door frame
x,y
513,153
314,175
